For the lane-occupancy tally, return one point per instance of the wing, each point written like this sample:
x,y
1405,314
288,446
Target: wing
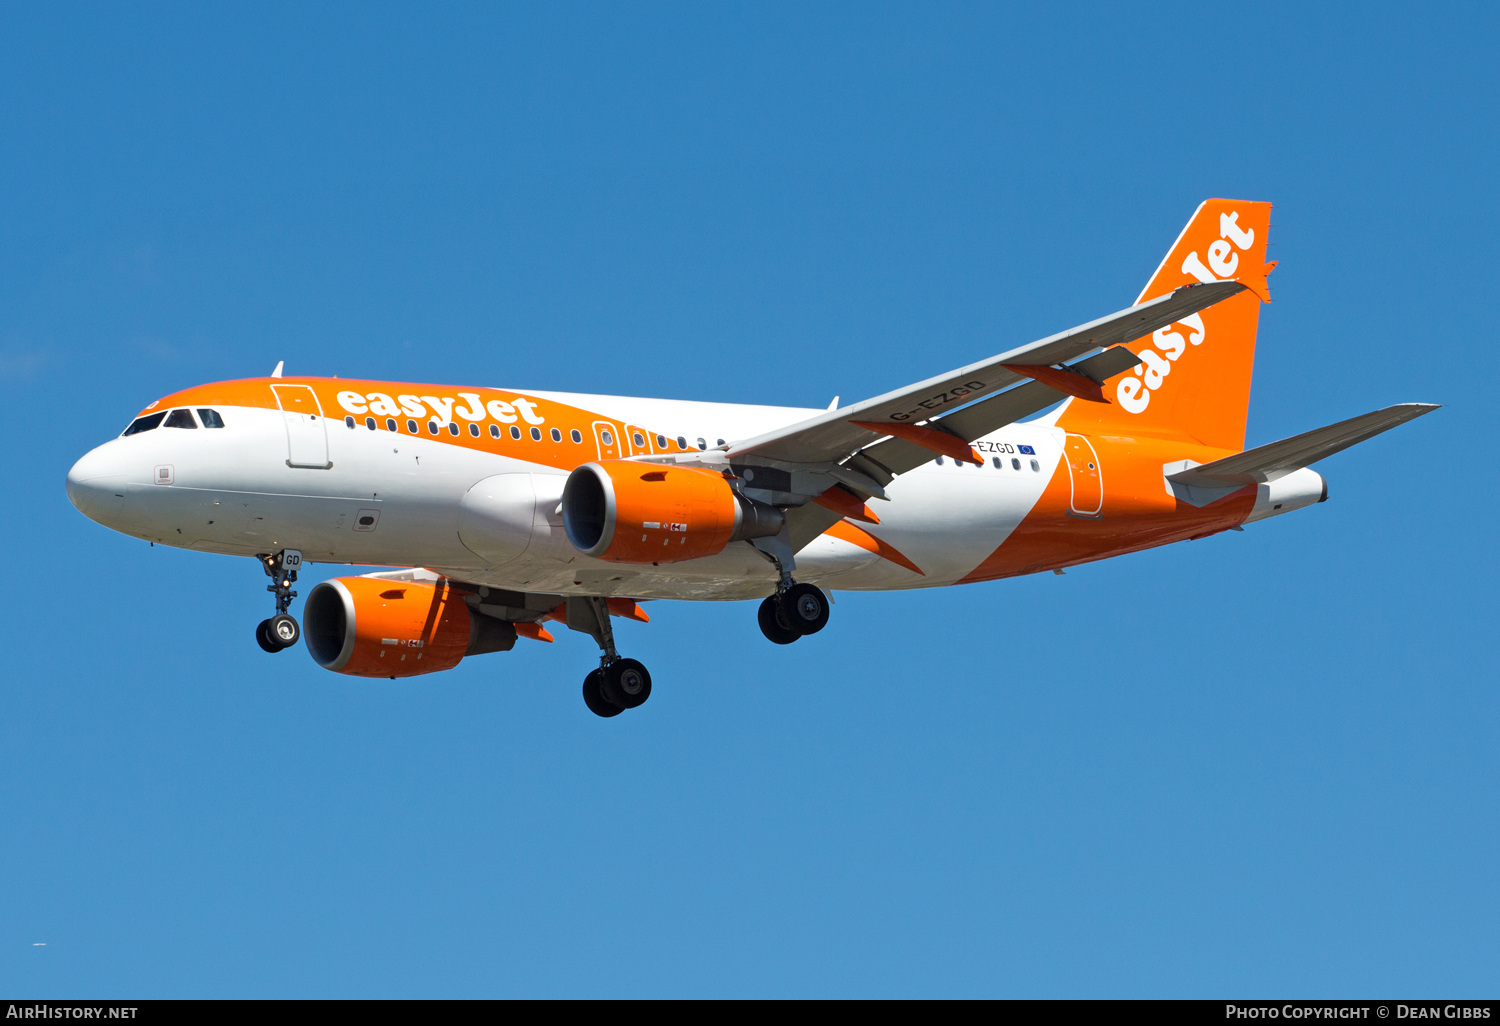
x,y
834,436
858,447
898,455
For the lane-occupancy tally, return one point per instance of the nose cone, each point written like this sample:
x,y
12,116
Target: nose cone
x,y
96,485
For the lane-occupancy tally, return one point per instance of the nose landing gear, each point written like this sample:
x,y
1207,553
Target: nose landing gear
x,y
282,630
790,614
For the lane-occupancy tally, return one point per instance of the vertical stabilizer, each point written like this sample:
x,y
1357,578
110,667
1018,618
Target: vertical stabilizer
x,y
1194,379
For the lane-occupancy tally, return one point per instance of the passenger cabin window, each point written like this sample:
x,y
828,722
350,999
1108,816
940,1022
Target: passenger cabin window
x,y
211,418
702,444
639,439
147,423
494,430
1036,466
390,423
998,464
411,426
940,461
556,435
432,428
661,441
515,432
576,435
681,442
181,419
452,428
349,423
1016,463
370,423
474,430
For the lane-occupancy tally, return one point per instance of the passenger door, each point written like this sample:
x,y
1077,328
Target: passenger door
x,y
306,434
1087,478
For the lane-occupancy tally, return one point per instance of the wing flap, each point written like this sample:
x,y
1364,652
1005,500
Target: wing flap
x,y
979,419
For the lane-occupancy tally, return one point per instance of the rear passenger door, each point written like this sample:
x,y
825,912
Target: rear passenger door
x,y
1086,476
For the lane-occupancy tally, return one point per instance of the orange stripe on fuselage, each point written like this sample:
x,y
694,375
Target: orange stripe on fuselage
x,y
1138,512
563,455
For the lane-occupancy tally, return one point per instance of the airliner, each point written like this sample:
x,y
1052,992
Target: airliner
x,y
495,512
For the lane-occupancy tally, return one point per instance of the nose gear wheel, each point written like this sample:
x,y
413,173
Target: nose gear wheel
x,y
282,630
263,637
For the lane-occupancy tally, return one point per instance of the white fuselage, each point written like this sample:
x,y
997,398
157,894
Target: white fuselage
x,y
397,499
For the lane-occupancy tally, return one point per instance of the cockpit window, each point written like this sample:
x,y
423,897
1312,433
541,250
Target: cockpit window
x,y
211,418
181,419
146,423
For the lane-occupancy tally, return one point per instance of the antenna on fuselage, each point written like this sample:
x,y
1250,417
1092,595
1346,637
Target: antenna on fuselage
x,y
277,372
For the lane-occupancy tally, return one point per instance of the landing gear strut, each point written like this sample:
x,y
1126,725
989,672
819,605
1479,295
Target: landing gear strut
x,y
618,684
791,613
282,630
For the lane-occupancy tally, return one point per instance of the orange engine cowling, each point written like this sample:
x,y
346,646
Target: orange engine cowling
x,y
630,512
370,627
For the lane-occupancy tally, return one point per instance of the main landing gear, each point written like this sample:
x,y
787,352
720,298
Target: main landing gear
x,y
615,687
282,630
619,683
789,614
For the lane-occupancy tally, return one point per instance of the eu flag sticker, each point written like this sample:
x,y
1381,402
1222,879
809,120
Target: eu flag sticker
x,y
1026,450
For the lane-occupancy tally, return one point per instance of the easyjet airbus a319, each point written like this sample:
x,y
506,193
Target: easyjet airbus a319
x,y
504,511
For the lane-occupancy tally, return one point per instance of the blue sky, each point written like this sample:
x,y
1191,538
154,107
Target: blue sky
x,y
1261,764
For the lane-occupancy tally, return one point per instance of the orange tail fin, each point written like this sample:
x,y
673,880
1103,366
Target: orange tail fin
x,y
1194,380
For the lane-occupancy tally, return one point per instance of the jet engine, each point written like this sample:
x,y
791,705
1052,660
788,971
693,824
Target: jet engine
x,y
370,627
630,512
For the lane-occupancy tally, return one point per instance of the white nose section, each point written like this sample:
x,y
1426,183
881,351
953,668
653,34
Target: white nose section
x,y
96,485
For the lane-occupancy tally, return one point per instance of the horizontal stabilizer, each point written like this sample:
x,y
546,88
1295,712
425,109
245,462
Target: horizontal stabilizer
x,y
1269,462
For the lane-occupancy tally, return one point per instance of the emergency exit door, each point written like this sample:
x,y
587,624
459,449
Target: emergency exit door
x,y
607,438
637,440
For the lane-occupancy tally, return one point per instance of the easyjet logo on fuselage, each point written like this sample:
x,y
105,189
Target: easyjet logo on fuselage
x,y
1134,392
441,408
